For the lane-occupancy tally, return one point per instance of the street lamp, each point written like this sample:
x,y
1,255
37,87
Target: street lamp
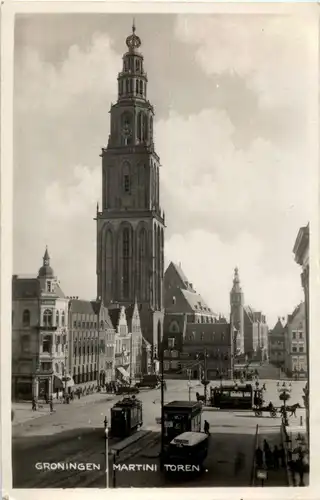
x,y
204,380
284,395
106,431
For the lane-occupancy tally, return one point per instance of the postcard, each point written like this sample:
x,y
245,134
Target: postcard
x,y
163,228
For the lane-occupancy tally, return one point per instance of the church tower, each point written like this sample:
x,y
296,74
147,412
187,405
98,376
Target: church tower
x,y
237,314
130,224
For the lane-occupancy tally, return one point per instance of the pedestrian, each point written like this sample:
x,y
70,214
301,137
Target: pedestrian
x,y
51,406
259,457
264,387
207,427
79,394
282,456
269,458
292,469
34,405
276,457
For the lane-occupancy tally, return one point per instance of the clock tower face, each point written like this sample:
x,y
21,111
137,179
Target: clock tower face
x,y
130,227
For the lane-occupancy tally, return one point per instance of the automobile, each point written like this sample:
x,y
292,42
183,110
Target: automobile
x,y
150,381
125,389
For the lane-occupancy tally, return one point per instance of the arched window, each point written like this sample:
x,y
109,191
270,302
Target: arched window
x,y
126,128
63,319
174,327
47,317
137,87
142,263
139,126
125,257
26,318
127,86
141,87
137,65
56,368
145,128
57,318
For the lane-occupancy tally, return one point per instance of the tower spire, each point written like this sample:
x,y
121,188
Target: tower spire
x,y
236,281
46,257
133,26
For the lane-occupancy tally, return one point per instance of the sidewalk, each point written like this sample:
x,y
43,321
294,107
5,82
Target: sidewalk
x,y
23,411
276,477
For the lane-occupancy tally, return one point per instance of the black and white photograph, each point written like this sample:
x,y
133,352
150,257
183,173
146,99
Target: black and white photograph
x,y
163,189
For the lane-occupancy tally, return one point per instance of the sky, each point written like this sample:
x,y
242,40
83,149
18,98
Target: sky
x,y
231,128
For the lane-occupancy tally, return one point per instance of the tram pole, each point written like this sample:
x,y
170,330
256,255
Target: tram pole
x,y
162,404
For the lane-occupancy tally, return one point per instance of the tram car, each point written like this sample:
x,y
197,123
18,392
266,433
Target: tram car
x,y
237,397
126,417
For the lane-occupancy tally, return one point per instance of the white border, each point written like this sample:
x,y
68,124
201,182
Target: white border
x,y
7,25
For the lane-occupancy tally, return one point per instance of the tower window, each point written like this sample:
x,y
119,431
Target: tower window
x,y
49,286
137,87
26,318
126,183
141,87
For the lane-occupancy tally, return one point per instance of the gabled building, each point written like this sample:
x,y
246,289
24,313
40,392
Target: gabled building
x,y
39,334
130,347
187,319
295,363
276,343
181,297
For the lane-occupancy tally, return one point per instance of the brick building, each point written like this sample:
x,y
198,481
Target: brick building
x,y
91,343
130,224
295,363
276,343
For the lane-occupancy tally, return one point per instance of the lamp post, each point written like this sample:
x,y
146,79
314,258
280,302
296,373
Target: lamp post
x,y
106,431
284,395
204,380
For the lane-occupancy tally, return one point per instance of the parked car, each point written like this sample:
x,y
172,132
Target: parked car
x,y
126,389
151,381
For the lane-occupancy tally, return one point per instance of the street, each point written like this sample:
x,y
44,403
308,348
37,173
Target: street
x,y
75,433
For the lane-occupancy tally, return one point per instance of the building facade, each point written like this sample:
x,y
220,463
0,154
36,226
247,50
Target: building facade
x,y
276,343
130,224
92,343
40,353
296,344
301,253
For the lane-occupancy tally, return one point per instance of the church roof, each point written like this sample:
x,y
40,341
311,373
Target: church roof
x,y
196,302
279,328
178,270
78,306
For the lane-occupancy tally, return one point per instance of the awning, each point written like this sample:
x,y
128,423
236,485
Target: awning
x,y
60,382
123,372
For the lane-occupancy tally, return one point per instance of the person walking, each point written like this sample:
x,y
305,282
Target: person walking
x,y
259,457
51,406
34,405
282,456
207,427
276,457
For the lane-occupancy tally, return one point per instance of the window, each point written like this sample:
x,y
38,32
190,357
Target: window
x,y
26,318
166,366
126,183
294,349
25,343
47,317
174,365
63,319
171,343
57,318
58,339
202,336
300,335
46,343
293,335
174,354
74,324
49,286
300,349
45,367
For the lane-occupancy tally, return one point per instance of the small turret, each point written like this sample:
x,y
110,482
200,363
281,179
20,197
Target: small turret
x,y
46,271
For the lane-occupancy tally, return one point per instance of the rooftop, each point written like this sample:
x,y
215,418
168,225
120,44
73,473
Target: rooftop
x,y
183,404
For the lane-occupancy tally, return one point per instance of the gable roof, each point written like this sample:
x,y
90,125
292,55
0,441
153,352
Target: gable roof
x,y
278,329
